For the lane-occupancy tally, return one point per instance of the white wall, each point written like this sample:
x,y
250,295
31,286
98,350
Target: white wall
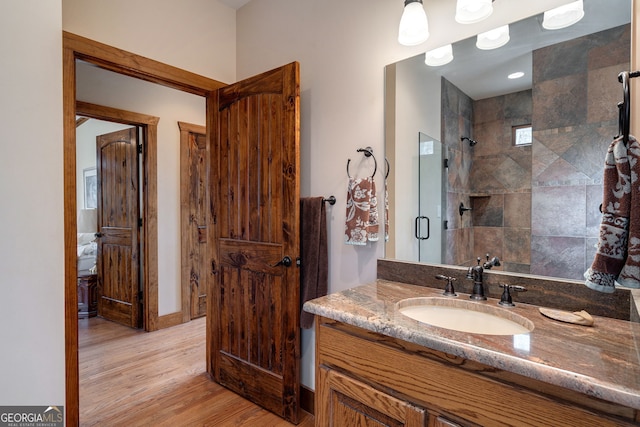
x,y
343,47
195,35
418,109
31,212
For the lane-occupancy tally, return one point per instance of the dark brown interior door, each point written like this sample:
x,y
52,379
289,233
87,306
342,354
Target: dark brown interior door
x,y
253,332
118,213
194,218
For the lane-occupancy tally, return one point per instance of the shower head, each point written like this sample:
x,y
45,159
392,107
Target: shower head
x,y
471,141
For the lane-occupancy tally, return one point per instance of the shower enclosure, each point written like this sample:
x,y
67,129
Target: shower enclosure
x,y
431,220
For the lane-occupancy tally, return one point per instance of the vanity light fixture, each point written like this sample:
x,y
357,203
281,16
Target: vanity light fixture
x,y
472,11
563,16
440,56
493,39
516,75
414,27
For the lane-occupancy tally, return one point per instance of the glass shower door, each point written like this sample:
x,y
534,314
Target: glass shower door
x,y
429,224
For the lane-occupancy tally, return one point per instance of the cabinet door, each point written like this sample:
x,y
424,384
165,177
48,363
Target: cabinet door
x,y
344,401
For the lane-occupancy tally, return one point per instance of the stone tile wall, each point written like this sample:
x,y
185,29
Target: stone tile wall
x,y
535,207
575,93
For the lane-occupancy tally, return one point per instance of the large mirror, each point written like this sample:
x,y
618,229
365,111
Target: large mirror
x,y
534,204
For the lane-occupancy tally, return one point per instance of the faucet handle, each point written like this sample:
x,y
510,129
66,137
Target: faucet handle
x,y
505,298
448,290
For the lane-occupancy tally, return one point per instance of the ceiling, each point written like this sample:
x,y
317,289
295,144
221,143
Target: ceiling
x,y
236,4
482,74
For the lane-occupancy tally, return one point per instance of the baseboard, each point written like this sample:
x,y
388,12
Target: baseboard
x,y
307,399
169,320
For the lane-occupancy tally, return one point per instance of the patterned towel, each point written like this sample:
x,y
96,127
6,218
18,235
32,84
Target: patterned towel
x,y
617,259
361,223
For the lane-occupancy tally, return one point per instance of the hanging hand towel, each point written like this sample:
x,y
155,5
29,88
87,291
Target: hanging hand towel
x,y
386,211
618,255
361,223
313,247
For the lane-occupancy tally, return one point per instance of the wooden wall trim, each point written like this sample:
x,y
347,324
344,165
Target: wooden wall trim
x,y
130,64
72,404
119,61
114,114
185,286
169,320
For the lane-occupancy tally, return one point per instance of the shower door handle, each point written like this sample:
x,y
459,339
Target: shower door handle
x,y
418,235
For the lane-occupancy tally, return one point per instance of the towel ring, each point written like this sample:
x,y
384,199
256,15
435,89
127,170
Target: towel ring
x,y
368,152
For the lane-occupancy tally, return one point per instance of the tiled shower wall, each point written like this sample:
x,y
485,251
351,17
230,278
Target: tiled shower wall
x,y
457,121
501,181
535,207
575,93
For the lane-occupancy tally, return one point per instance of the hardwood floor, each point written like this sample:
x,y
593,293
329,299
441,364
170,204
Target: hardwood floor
x,y
130,377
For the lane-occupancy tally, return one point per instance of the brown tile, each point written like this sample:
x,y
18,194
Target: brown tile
x,y
488,211
517,245
517,210
604,93
488,240
488,110
558,256
558,211
560,102
611,47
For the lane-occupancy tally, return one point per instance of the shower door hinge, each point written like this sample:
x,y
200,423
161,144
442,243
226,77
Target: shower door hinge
x,y
139,222
446,224
446,163
139,148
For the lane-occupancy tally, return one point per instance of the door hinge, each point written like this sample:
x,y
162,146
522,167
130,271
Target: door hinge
x,y
446,163
446,225
139,222
140,296
139,148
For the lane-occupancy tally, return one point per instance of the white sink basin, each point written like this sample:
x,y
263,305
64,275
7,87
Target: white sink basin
x,y
465,316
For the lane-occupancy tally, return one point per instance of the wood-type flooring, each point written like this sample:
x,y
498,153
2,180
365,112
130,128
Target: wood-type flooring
x,y
134,378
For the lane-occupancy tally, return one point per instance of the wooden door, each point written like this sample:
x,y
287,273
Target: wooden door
x,y
254,312
118,213
194,218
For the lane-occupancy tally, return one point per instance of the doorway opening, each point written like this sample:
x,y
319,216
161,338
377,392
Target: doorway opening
x,y
80,48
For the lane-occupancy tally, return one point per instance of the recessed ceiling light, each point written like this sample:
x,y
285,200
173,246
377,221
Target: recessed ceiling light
x,y
516,75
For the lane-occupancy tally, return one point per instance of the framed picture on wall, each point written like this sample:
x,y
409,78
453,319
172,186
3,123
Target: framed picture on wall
x,y
90,188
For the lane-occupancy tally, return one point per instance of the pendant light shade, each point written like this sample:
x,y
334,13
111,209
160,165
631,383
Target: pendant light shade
x,y
563,16
493,39
440,56
472,11
414,27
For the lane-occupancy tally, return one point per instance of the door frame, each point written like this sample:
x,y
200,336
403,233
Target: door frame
x,y
113,59
148,187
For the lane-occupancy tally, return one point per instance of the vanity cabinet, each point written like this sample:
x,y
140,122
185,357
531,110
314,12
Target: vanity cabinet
x,y
365,378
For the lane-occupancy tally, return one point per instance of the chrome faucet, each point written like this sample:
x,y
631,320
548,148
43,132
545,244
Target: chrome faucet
x,y
475,273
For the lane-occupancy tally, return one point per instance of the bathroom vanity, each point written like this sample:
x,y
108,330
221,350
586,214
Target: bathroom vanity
x,y
375,363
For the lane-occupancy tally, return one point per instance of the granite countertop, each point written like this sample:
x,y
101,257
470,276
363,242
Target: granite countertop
x,y
600,360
